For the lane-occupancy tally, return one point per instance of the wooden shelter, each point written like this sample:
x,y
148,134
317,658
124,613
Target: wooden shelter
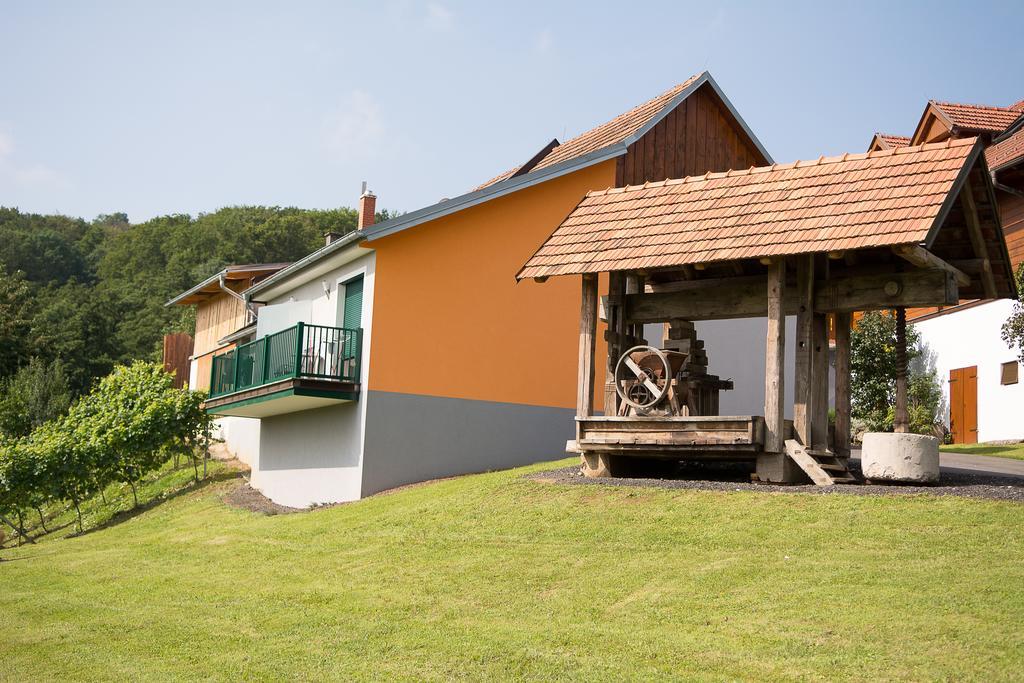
x,y
891,229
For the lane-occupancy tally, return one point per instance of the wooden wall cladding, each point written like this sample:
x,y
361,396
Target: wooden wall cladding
x,y
698,136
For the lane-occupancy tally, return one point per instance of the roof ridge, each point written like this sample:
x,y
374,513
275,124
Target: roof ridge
x,y
970,105
799,163
673,91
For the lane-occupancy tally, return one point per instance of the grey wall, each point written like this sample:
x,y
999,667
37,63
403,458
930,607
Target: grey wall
x,y
411,438
736,351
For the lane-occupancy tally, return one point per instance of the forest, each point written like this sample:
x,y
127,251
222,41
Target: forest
x,y
78,297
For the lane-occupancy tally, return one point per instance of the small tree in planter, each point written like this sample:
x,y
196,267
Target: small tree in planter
x,y
873,362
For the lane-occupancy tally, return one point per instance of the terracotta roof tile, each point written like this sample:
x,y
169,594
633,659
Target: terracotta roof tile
x,y
1006,151
893,141
978,117
850,202
610,133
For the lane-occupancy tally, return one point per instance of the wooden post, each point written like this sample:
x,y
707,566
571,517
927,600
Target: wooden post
x,y
803,387
901,421
616,328
819,381
775,361
632,287
843,322
588,329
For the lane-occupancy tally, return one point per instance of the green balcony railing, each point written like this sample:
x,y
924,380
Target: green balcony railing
x,y
309,351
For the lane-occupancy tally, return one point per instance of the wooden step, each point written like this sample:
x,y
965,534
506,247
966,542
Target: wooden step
x,y
816,465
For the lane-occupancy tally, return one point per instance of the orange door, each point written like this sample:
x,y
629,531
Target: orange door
x,y
963,404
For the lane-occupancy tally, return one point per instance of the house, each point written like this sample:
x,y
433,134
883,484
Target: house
x,y
406,351
978,370
223,321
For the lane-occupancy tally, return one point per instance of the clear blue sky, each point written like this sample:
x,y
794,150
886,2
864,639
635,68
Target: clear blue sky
x,y
154,108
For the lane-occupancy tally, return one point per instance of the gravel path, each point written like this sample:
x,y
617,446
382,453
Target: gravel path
x,y
736,477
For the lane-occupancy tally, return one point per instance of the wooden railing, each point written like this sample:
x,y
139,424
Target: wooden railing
x,y
302,351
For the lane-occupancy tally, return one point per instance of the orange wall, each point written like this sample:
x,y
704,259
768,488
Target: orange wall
x,y
449,318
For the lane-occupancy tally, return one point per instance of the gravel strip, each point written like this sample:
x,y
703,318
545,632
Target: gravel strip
x,y
246,497
736,477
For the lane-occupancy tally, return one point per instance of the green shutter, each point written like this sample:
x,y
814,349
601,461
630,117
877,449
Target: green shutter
x,y
353,315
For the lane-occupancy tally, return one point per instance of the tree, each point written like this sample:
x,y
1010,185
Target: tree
x,y
15,303
38,392
78,324
66,463
21,487
873,376
1013,328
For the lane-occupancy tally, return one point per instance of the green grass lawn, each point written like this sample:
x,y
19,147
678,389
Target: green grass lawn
x,y
494,577
1014,450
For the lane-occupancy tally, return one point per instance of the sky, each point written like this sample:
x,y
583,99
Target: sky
x,y
184,107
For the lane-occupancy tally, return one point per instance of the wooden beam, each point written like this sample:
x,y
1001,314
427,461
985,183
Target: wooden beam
x,y
588,339
886,291
922,258
803,387
819,380
842,398
725,298
978,239
775,361
901,418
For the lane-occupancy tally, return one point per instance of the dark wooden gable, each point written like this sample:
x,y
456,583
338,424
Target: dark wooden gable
x,y
698,136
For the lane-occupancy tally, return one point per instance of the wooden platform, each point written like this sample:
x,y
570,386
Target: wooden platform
x,y
718,436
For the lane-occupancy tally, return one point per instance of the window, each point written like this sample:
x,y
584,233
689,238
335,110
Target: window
x,y
1009,371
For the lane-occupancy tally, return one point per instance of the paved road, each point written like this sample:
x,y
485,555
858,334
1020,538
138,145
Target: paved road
x,y
965,462
981,463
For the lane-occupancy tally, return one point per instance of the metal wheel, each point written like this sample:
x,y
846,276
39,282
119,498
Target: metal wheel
x,y
640,387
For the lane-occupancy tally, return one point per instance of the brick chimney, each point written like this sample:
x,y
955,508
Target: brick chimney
x,y
367,207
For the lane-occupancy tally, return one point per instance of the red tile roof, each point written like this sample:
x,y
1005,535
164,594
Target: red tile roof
x,y
1006,151
892,141
614,131
1017,106
977,117
850,202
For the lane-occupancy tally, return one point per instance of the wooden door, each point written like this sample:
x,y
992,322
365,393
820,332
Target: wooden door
x,y
963,404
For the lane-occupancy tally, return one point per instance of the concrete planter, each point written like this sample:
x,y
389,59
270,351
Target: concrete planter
x,y
912,458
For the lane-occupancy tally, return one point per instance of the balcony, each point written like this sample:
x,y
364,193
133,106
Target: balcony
x,y
298,368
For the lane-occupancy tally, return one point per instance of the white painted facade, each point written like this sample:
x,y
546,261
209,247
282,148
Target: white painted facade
x,y
316,456
971,337
241,435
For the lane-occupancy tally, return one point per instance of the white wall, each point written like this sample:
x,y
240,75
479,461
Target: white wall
x,y
316,456
241,435
971,337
